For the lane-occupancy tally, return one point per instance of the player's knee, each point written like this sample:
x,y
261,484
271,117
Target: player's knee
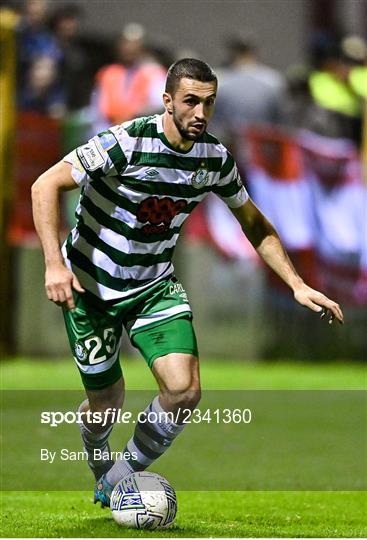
x,y
192,398
184,398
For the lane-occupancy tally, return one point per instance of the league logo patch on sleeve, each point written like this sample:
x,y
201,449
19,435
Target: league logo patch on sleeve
x,y
108,141
91,155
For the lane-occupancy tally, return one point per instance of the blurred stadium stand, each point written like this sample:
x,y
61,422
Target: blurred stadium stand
x,y
309,183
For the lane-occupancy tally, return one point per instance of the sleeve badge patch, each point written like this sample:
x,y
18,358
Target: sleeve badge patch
x,y
108,141
91,155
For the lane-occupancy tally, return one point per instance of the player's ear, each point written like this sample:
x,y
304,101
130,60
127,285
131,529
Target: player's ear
x,y
167,102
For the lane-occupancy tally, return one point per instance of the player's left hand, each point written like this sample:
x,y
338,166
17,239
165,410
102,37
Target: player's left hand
x,y
320,303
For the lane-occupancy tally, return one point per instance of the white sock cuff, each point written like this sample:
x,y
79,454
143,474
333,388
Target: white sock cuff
x,y
166,425
156,406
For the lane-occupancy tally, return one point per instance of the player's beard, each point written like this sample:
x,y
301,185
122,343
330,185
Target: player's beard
x,y
185,134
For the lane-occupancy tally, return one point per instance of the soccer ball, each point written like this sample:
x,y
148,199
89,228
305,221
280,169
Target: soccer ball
x,y
144,500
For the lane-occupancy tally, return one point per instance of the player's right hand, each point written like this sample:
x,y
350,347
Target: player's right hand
x,y
59,285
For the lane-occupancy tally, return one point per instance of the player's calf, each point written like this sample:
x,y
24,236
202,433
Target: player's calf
x,y
96,428
154,433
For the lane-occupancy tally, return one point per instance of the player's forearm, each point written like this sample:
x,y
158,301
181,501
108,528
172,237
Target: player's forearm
x,y
274,255
46,216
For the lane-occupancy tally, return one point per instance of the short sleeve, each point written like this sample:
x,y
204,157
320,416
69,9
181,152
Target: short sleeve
x,y
230,187
101,156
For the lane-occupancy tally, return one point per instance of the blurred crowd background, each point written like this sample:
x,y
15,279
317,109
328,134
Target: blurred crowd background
x,y
291,107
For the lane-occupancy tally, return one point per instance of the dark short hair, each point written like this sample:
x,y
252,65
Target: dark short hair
x,y
240,46
189,68
69,11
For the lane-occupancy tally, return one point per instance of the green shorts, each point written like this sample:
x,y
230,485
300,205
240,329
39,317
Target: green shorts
x,y
158,321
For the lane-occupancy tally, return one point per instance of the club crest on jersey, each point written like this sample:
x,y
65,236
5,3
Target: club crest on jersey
x,y
200,177
80,351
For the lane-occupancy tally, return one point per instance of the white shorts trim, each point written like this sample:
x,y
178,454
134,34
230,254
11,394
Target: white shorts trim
x,y
160,316
102,366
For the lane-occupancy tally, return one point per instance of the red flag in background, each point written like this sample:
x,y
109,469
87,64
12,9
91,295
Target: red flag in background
x,y
333,171
276,183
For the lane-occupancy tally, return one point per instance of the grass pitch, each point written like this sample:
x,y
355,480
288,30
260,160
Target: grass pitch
x,y
200,514
205,513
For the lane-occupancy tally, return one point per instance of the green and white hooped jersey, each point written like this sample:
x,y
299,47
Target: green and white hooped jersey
x,y
137,191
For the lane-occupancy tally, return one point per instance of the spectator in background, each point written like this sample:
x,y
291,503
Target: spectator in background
x,y
42,92
355,49
250,92
302,112
37,53
133,86
75,66
338,84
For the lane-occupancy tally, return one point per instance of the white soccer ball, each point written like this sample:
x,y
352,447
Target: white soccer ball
x,y
144,500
